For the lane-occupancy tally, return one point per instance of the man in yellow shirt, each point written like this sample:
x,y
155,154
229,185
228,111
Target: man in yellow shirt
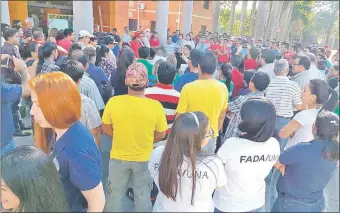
x,y
206,95
135,123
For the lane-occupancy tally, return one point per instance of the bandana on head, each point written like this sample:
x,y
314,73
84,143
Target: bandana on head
x,y
136,75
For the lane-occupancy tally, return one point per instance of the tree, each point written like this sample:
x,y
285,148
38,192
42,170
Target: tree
x,y
243,17
277,14
284,17
261,18
272,17
232,16
252,19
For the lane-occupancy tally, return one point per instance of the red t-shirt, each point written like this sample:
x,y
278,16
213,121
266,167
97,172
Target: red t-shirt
x,y
237,79
225,57
250,64
154,43
66,44
135,45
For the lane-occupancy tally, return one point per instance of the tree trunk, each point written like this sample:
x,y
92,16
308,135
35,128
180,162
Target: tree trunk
x,y
276,20
261,19
267,12
232,16
215,18
283,19
243,17
252,19
271,20
288,24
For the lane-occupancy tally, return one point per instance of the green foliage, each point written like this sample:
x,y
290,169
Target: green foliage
x,y
224,21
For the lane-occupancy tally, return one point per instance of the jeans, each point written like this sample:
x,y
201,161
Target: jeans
x,y
211,146
15,115
272,178
261,209
279,124
120,172
285,203
10,146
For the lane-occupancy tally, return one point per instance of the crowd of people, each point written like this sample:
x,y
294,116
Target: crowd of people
x,y
205,123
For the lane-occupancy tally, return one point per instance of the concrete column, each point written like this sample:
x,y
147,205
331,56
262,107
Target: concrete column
x,y
187,16
162,15
82,16
5,13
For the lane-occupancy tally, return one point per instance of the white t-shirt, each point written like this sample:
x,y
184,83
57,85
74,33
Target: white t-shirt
x,y
209,176
304,134
247,164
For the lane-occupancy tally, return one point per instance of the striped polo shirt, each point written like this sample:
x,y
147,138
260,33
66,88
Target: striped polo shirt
x,y
284,94
168,97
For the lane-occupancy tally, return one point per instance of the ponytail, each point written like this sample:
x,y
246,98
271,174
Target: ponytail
x,y
327,128
332,101
325,95
45,51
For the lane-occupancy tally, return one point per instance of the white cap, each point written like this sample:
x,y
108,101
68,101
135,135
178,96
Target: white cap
x,y
83,33
147,30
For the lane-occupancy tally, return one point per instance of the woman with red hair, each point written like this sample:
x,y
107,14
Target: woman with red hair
x,y
57,108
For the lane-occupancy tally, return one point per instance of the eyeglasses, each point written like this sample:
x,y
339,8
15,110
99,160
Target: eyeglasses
x,y
210,134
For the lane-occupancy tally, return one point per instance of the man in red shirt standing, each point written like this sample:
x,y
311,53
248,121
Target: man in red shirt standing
x,y
236,75
154,40
251,63
224,54
216,47
135,44
68,39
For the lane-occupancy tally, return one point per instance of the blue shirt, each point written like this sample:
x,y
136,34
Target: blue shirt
x,y
174,38
79,163
97,74
307,171
115,50
184,79
202,47
9,94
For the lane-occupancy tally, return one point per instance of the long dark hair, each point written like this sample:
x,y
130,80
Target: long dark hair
x,y
124,60
226,71
32,177
45,51
26,49
100,53
258,119
184,140
325,95
327,128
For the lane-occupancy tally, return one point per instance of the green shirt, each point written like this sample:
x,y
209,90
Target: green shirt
x,y
147,64
230,90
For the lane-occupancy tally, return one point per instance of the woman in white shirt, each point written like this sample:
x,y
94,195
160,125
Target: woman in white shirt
x,y
185,175
315,96
248,159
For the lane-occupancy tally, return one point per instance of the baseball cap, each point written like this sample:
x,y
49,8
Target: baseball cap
x,y
109,40
83,33
136,75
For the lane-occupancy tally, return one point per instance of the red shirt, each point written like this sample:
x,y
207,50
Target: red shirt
x,y
250,64
237,79
225,57
66,44
135,45
154,43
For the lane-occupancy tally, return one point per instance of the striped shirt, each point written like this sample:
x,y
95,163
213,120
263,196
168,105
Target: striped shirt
x,y
89,114
89,88
284,94
168,97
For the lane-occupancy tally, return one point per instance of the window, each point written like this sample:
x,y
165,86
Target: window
x,y
203,28
153,26
206,4
133,24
